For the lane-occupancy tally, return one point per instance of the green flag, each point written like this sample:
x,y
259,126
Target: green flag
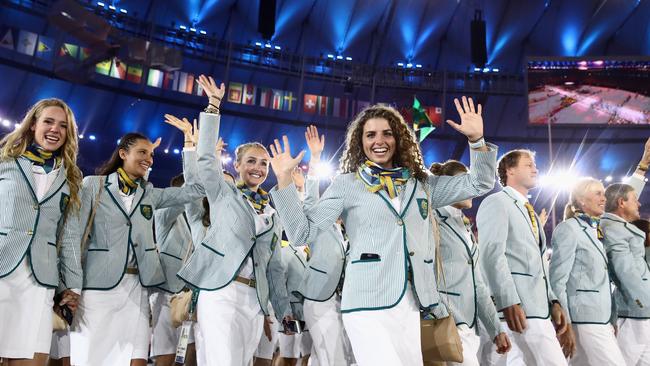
x,y
421,122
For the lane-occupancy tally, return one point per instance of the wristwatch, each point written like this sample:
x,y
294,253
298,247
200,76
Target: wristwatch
x,y
477,144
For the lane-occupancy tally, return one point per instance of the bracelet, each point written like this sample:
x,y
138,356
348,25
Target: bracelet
x,y
477,144
642,167
211,109
214,105
217,98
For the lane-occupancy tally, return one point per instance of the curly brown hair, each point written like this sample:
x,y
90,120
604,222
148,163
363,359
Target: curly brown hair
x,y
407,152
450,167
510,160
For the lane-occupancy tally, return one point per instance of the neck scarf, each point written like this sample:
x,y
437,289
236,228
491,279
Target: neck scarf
x,y
377,178
127,185
38,156
259,199
592,221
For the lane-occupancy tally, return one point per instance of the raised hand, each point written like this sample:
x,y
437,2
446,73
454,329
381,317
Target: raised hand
x,y
298,178
471,121
315,144
543,217
156,143
184,126
645,159
282,162
214,93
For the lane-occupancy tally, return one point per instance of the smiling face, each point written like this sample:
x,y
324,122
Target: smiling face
x,y
592,200
378,142
524,174
253,166
137,159
50,128
629,207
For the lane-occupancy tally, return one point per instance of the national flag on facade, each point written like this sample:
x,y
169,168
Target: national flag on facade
x,y
198,90
235,91
168,80
103,67
309,103
26,42
176,80
118,69
84,53
266,95
69,50
323,105
250,92
435,115
185,83
288,102
155,78
422,125
134,73
7,40
45,48
278,99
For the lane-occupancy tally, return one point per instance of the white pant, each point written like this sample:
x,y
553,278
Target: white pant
x,y
596,345
230,324
60,344
266,348
536,346
331,346
388,336
295,345
164,338
471,343
634,341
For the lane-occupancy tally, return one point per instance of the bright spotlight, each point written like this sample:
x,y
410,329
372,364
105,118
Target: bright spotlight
x,y
6,123
166,151
176,151
323,170
92,137
608,178
81,136
560,180
16,125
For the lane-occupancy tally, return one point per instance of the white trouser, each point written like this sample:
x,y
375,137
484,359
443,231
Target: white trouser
x,y
60,344
230,324
596,345
536,346
634,341
331,346
164,339
295,345
388,336
266,348
471,343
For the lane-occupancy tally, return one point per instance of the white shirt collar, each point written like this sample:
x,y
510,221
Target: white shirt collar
x,y
516,193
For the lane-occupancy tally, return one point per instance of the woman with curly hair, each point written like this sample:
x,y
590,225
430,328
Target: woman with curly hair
x,y
384,195
39,204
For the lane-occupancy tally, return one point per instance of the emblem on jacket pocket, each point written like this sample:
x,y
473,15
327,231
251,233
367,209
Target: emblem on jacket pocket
x,y
63,203
146,211
274,241
423,206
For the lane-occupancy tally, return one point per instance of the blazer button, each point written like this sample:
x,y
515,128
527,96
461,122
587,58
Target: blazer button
x,y
252,238
639,303
411,253
30,233
469,261
400,222
135,245
36,207
256,264
128,223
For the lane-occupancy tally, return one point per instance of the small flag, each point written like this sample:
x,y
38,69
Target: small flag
x,y
250,92
278,99
103,67
234,92
309,103
435,115
118,69
189,84
155,78
69,50
168,80
198,90
289,99
421,123
45,48
323,105
134,73
26,42
84,53
266,94
7,40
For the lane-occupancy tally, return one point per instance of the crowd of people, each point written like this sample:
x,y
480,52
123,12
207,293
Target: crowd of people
x,y
289,276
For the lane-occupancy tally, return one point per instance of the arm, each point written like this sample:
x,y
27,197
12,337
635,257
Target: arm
x,y
486,310
71,274
622,261
564,245
492,222
276,273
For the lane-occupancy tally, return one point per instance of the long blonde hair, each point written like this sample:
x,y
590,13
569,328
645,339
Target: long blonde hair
x,y
14,144
579,189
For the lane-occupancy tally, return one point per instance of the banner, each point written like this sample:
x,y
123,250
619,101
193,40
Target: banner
x,y
250,92
103,67
118,69
45,48
288,102
278,99
266,94
26,42
69,50
235,92
134,73
309,103
7,40
155,78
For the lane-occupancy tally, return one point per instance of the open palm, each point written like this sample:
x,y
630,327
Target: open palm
x,y
282,162
471,121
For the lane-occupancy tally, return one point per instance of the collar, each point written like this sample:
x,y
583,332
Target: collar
x,y
513,192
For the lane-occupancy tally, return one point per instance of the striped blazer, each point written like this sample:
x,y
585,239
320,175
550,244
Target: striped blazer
x,y
115,230
578,273
29,227
324,270
173,231
384,242
629,269
514,261
231,238
463,284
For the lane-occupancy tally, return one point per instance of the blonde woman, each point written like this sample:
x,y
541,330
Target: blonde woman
x,y
580,279
39,203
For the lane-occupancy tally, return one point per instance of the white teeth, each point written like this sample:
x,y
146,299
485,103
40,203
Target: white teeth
x,y
380,151
52,139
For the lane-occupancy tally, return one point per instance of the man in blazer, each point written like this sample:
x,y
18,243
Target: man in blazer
x,y
630,272
515,265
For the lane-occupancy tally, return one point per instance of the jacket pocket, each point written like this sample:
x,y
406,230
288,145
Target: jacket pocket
x,y
584,290
428,261
3,234
521,274
213,250
366,260
317,270
52,244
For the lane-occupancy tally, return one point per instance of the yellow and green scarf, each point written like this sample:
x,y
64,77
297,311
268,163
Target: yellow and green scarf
x,y
38,156
259,199
377,178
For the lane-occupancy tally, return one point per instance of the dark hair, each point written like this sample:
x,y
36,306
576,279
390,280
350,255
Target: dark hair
x,y
450,167
177,181
206,205
510,160
642,224
613,193
115,161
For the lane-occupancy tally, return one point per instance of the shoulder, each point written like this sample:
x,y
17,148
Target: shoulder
x,y
566,227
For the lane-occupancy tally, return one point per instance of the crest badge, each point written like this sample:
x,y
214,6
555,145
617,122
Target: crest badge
x,y
63,203
147,211
423,207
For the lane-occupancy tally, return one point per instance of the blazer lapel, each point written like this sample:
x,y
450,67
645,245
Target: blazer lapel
x,y
139,194
593,237
56,185
407,195
524,212
450,222
113,188
25,168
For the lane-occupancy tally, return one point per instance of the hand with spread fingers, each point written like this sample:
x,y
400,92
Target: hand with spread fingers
x,y
189,134
282,162
214,93
316,144
471,120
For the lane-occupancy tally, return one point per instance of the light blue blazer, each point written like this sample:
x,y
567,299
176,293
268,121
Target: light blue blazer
x,y
463,284
578,272
629,269
29,227
231,238
513,260
399,239
114,230
294,264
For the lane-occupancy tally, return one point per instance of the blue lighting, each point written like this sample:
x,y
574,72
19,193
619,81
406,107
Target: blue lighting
x,y
123,11
99,3
258,44
81,136
418,66
339,57
348,58
92,137
176,151
400,64
183,27
278,48
203,32
111,7
495,69
409,65
268,45
570,40
486,69
329,55
193,30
